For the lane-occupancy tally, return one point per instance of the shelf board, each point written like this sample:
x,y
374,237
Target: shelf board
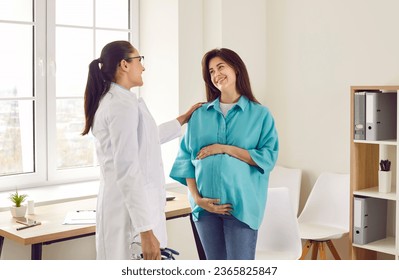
x,y
386,246
392,142
373,192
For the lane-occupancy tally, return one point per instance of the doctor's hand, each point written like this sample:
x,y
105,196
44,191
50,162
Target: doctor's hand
x,y
212,205
150,246
186,116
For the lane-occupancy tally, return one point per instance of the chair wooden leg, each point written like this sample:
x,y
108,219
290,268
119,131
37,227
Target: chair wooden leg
x,y
306,249
333,250
315,249
319,248
322,251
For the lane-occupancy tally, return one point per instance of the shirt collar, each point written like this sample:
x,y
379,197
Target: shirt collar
x,y
242,103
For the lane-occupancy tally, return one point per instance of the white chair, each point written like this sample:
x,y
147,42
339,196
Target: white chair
x,y
278,235
290,178
325,216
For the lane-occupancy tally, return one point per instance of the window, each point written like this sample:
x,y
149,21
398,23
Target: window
x,y
44,70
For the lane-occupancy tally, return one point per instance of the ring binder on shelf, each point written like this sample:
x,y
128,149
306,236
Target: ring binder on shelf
x,y
369,219
374,115
360,116
381,115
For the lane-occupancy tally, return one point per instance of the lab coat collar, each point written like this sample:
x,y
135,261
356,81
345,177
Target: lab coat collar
x,y
116,88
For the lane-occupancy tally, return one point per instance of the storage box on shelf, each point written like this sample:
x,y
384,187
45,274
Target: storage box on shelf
x,y
365,157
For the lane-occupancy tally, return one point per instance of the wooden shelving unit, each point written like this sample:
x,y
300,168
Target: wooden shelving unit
x,y
364,166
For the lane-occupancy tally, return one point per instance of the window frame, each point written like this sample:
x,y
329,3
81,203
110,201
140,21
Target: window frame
x,y
44,97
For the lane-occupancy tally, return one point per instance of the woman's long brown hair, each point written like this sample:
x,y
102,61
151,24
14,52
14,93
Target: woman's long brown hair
x,y
233,59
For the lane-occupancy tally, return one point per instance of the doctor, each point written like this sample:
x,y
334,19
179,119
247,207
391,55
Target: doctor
x,y
131,199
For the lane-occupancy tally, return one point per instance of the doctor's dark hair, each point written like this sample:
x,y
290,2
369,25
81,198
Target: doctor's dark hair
x,y
102,72
233,60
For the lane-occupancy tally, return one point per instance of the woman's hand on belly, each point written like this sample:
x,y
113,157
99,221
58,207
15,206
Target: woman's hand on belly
x,y
212,205
234,151
210,150
209,204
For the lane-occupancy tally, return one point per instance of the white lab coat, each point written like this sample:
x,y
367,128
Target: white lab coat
x,y
132,195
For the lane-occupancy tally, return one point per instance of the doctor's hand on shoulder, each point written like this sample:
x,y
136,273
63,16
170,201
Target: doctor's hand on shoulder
x,y
150,246
187,115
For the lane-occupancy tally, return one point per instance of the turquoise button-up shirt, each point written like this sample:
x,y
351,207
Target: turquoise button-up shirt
x,y
247,125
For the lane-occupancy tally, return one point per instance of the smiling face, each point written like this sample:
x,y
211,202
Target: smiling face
x,y
222,75
130,71
135,68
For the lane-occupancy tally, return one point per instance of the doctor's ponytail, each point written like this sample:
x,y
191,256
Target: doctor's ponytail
x,y
102,72
96,87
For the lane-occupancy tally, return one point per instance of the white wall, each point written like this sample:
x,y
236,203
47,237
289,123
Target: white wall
x,y
172,37
240,26
317,49
191,37
159,43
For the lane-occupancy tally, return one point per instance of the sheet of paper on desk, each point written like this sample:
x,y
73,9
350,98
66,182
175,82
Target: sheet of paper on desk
x,y
80,217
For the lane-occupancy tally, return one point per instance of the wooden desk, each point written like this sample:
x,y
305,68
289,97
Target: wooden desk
x,y
52,230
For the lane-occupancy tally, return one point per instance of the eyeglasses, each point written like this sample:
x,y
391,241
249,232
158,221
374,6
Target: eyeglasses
x,y
140,57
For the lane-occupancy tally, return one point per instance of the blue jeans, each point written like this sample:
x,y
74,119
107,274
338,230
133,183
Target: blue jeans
x,y
225,237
